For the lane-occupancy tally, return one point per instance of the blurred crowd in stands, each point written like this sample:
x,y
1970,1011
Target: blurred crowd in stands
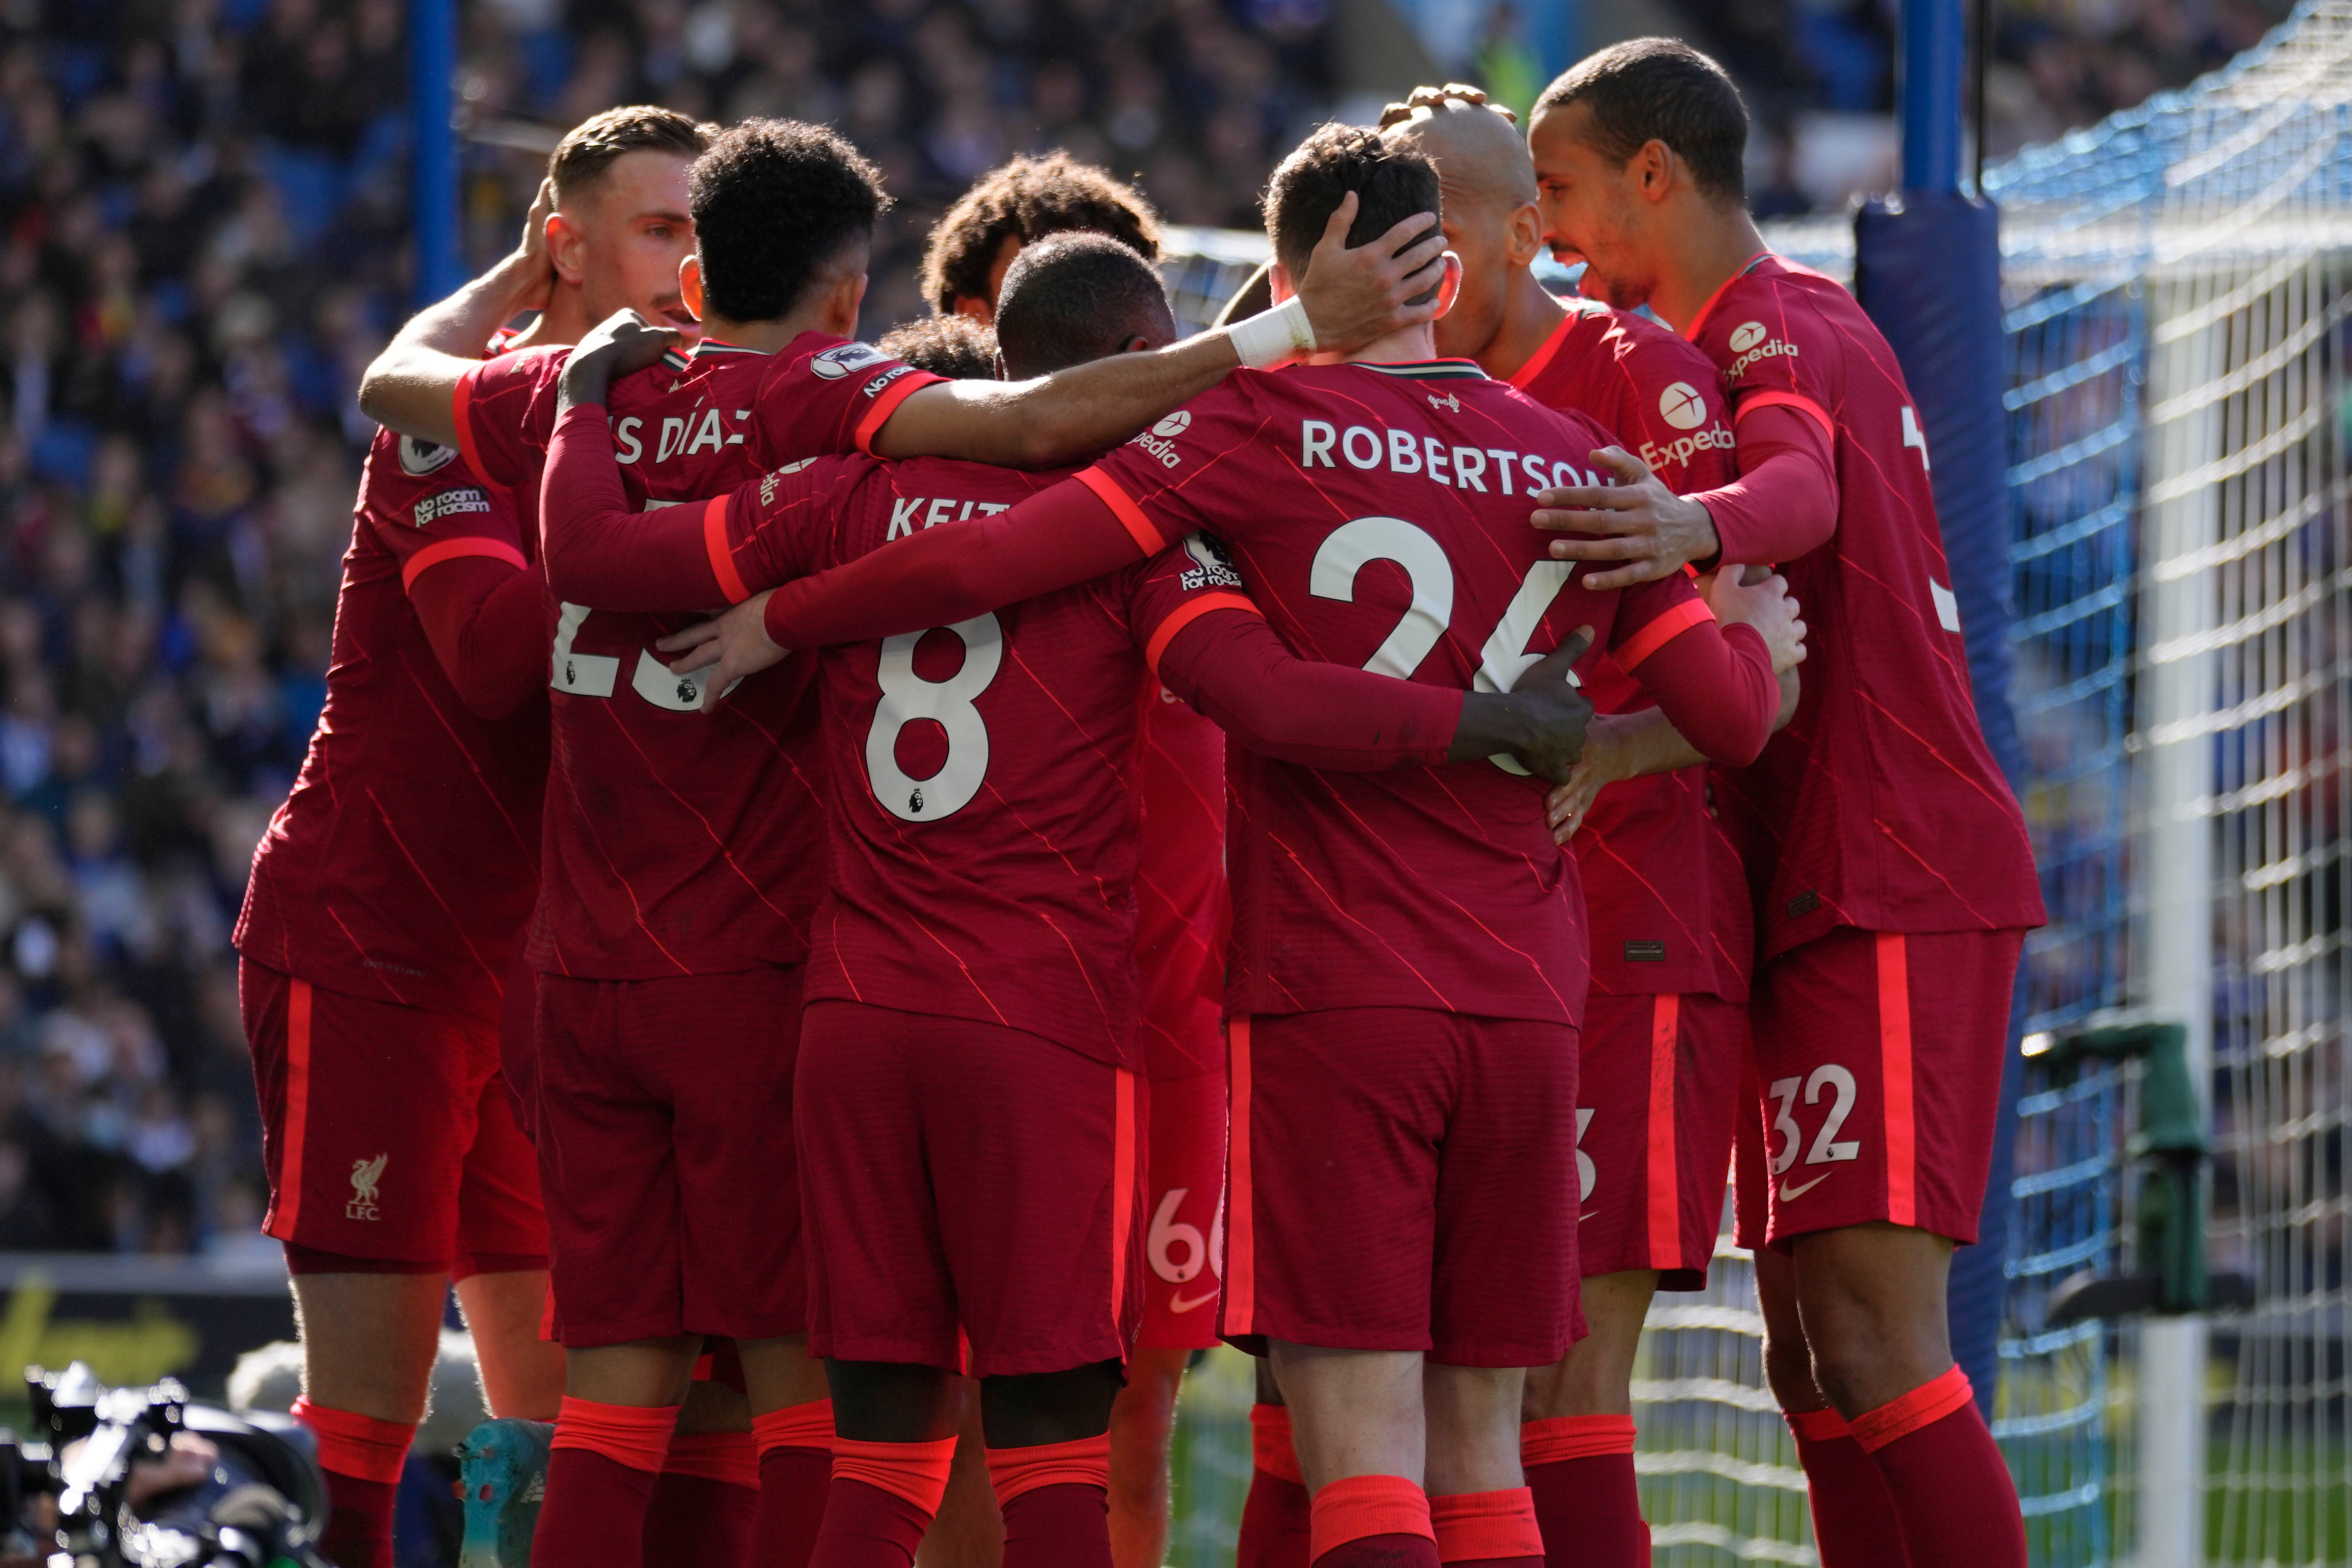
x,y
202,241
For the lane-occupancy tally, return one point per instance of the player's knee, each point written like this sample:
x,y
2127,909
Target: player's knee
x,y
1033,1408
893,1402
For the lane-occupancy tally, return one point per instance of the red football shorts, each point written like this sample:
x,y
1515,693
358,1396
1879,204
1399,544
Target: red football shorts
x,y
1879,1054
665,1150
1185,1210
1398,1181
385,1130
963,1175
1656,1092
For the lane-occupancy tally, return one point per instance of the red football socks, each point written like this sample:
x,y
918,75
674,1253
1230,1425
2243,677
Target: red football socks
x,y
883,1497
1056,1498
600,1471
1487,1529
362,1458
1372,1521
1853,1513
703,1502
795,1474
1580,1471
1951,1489
1275,1519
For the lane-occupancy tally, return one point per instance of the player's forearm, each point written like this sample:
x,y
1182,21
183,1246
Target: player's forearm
x,y
1235,670
1714,685
1785,501
1065,418
941,575
487,623
596,550
411,384
1645,741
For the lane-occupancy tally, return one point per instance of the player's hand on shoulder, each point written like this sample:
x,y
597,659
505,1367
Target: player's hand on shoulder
x,y
1634,531
1605,760
731,647
621,342
1355,296
1759,597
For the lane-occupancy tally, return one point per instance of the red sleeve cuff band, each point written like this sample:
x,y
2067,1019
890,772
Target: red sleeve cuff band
x,y
431,555
1130,516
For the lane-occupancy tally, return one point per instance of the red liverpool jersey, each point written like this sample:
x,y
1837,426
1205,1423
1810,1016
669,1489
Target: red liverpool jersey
x,y
982,775
679,842
403,865
1879,806
1379,514
1181,918
1666,897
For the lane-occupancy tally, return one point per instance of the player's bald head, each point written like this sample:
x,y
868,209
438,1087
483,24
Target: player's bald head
x,y
1479,156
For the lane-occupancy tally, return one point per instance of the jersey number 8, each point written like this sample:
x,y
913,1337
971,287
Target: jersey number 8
x,y
907,697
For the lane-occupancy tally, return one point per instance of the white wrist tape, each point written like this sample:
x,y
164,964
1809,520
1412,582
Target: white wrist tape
x,y
1274,337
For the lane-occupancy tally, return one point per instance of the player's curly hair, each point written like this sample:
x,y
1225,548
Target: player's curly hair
x,y
775,202
957,347
1661,90
1029,198
1392,181
597,142
1072,298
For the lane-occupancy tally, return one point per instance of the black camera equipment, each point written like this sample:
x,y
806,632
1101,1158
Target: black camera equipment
x,y
71,1497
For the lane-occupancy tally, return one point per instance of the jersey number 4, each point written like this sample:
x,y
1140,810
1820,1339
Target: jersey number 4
x,y
907,697
1352,546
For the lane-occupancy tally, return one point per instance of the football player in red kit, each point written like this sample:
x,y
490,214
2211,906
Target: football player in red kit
x,y
391,890
1180,914
1891,871
969,1103
669,870
1665,1029
1399,1214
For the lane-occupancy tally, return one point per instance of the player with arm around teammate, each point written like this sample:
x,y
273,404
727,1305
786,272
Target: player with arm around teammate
x,y
981,906
1890,866
1181,911
393,886
1665,1031
1402,899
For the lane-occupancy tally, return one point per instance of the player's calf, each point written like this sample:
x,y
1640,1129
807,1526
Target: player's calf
x,y
368,1341
1143,1428
1576,1444
612,1437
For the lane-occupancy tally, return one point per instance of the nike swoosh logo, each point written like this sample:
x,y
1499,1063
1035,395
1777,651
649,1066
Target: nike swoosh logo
x,y
1181,1305
1789,1194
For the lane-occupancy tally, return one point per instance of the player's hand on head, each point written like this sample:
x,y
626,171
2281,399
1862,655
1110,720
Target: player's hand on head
x,y
530,252
1634,531
1768,606
621,342
1556,709
729,647
1355,296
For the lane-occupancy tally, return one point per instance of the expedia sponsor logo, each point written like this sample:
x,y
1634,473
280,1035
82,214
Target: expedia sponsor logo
x,y
1774,348
1683,406
1212,568
1746,336
769,482
450,503
1160,440
834,364
897,372
421,458
1678,452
